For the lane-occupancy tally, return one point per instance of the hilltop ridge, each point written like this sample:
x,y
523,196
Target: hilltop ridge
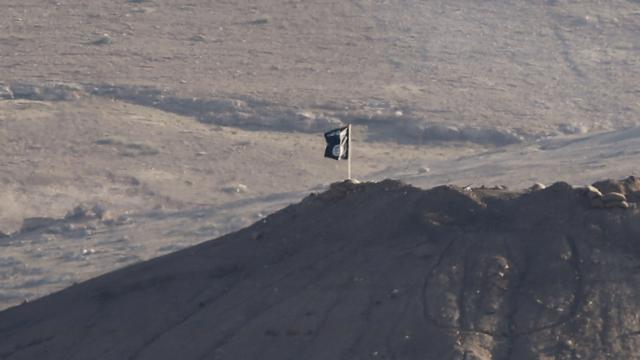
x,y
373,270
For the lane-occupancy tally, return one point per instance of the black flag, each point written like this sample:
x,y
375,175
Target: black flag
x,y
337,143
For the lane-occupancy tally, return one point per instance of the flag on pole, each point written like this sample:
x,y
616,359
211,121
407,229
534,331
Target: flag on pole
x,y
337,143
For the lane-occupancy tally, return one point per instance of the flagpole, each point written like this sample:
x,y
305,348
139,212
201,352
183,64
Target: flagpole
x,y
350,153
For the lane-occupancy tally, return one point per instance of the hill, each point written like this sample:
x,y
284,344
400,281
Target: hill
x,y
371,271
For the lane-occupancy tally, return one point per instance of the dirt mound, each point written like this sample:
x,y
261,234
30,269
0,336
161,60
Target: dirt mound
x,y
368,271
630,187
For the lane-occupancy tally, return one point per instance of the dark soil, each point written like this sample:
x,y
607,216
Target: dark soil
x,y
368,271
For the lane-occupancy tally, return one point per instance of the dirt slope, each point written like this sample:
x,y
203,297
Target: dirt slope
x,y
370,271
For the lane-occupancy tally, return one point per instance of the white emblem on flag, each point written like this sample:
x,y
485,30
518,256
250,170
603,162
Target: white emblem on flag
x,y
337,151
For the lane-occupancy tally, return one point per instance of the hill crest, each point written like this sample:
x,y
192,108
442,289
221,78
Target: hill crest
x,y
372,270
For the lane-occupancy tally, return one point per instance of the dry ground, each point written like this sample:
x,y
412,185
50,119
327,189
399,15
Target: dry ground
x,y
166,182
536,67
527,69
370,271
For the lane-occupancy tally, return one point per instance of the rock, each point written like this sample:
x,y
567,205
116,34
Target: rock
x,y
123,219
198,38
537,186
613,197
3,235
631,184
611,200
104,39
99,211
630,187
592,192
616,204
5,92
80,212
78,231
241,188
34,223
609,185
572,129
237,189
261,20
108,217
561,187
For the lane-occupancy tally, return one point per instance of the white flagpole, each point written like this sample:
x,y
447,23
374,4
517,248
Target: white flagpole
x,y
350,153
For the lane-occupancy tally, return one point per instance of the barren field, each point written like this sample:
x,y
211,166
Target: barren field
x,y
529,68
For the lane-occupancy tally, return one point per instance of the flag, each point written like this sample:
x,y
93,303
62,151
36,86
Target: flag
x,y
337,143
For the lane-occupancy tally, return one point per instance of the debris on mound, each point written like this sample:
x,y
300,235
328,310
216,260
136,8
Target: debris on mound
x,y
370,271
609,193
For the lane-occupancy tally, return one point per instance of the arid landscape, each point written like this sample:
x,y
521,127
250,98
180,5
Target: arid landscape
x,y
135,129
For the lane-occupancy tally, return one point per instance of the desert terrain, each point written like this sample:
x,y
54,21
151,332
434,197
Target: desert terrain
x,y
135,129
